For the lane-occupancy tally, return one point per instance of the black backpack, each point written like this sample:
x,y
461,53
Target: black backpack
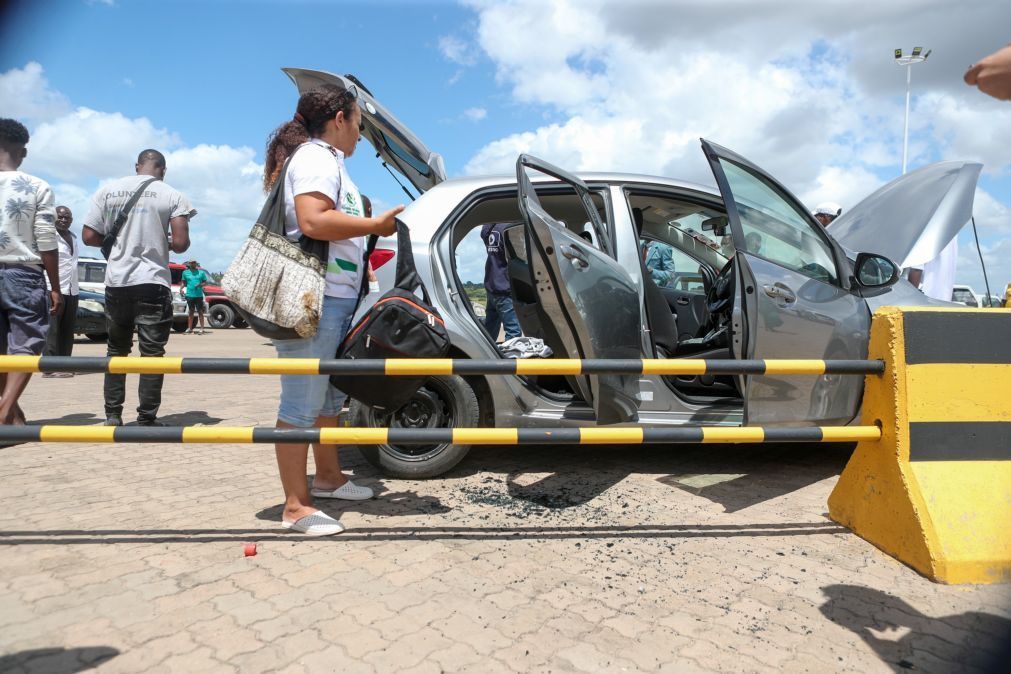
x,y
398,325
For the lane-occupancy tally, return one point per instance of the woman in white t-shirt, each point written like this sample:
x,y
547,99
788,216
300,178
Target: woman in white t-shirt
x,y
322,203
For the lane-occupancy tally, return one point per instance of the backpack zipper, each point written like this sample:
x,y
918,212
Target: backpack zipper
x,y
431,317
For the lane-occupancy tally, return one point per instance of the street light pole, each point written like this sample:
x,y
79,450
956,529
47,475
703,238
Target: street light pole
x,y
908,61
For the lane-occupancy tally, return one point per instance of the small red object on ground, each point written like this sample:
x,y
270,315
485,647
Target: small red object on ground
x,y
250,550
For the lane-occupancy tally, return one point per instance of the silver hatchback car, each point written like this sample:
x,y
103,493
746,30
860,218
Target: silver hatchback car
x,y
633,266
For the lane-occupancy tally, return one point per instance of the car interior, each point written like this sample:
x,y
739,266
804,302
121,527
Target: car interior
x,y
685,258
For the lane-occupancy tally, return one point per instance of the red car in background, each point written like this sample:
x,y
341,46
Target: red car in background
x,y
220,312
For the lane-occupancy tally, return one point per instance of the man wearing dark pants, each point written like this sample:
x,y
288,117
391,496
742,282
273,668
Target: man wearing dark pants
x,y
499,311
137,278
60,341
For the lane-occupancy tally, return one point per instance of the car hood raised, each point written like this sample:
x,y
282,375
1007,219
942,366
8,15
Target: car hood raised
x,y
911,219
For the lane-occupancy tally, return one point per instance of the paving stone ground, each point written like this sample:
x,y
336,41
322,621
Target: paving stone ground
x,y
535,559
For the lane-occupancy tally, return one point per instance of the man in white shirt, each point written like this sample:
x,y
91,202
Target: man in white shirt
x,y
137,278
60,341
27,247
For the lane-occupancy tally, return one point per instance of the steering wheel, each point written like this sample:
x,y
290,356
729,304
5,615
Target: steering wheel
x,y
720,293
708,279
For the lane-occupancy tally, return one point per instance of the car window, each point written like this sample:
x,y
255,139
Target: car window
x,y
399,150
177,275
775,229
516,244
91,272
670,267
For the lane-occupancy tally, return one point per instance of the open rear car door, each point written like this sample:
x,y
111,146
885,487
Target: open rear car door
x,y
587,303
395,144
792,299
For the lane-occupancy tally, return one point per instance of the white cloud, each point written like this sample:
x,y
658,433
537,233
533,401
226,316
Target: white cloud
x,y
26,95
806,90
78,150
86,143
475,114
456,50
998,264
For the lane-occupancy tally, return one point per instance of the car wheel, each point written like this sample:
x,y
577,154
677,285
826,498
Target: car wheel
x,y
179,326
239,323
220,316
442,402
97,336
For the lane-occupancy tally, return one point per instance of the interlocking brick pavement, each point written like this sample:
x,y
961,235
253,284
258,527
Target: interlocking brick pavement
x,y
530,559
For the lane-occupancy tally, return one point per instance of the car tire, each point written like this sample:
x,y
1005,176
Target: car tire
x,y
97,336
179,326
220,316
442,402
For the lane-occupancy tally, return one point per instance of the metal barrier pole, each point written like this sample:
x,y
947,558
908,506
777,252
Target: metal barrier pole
x,y
434,366
405,436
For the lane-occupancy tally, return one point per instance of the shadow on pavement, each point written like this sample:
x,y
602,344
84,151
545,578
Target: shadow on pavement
x,y
414,533
387,504
57,660
76,419
191,418
734,476
906,639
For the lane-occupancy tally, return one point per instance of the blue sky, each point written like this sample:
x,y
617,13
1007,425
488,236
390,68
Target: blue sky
x,y
805,90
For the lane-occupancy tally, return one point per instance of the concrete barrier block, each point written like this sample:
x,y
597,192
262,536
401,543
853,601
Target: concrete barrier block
x,y
935,491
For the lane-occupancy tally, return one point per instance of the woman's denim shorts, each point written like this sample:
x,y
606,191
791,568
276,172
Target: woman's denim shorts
x,y
305,397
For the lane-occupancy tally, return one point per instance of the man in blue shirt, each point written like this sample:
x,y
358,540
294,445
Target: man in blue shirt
x,y
193,282
499,310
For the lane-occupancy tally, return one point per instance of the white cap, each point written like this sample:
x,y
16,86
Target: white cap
x,y
827,208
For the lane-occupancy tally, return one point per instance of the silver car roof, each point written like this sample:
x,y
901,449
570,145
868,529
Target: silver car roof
x,y
425,215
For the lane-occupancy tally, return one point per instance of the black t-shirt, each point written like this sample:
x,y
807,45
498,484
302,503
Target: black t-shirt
x,y
496,275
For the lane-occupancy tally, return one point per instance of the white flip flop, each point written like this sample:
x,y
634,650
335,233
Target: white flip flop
x,y
349,491
316,524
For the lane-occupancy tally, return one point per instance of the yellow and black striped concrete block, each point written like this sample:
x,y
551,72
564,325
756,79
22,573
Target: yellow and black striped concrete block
x,y
935,492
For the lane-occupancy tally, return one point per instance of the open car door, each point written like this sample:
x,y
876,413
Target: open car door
x,y
587,303
793,299
395,144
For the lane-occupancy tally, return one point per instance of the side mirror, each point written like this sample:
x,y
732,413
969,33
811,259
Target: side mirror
x,y
875,271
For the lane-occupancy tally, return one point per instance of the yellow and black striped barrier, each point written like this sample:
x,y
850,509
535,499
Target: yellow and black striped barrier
x,y
426,436
433,366
935,492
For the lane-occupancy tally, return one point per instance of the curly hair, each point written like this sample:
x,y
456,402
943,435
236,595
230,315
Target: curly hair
x,y
315,108
13,132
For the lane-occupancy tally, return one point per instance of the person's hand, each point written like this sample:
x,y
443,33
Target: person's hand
x,y
992,74
55,301
386,224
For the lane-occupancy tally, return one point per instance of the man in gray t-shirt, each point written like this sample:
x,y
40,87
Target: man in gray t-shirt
x,y
137,278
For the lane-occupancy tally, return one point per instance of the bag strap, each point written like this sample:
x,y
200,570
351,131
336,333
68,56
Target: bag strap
x,y
272,215
407,273
125,212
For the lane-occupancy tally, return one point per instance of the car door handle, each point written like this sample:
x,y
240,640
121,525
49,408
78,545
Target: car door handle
x,y
577,256
682,301
778,291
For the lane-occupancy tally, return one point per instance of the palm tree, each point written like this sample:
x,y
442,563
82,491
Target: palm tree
x,y
23,184
17,209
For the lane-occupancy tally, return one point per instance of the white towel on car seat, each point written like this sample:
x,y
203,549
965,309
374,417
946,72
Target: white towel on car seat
x,y
525,347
